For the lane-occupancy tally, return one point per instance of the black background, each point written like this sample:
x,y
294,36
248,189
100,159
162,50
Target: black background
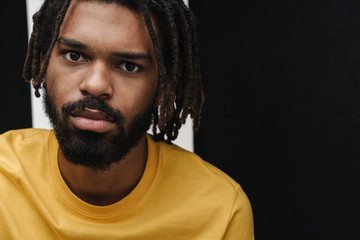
x,y
281,114
15,93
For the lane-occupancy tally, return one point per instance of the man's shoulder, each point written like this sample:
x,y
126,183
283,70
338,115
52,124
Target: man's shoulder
x,y
197,183
192,167
21,138
21,150
24,133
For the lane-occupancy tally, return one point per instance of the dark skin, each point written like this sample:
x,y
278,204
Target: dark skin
x,y
104,188
113,59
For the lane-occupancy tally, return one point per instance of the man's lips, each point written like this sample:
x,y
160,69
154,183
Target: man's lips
x,y
92,114
92,120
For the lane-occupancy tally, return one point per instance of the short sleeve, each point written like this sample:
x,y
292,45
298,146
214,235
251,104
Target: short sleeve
x,y
241,224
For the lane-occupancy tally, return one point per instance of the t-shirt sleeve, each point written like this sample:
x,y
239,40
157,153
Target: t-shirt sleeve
x,y
241,224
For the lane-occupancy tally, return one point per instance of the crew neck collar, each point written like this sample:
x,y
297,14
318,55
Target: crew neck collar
x,y
125,205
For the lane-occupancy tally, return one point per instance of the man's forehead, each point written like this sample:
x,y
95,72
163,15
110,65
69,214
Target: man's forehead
x,y
94,26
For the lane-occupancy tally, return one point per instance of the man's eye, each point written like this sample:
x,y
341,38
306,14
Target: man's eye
x,y
74,56
129,67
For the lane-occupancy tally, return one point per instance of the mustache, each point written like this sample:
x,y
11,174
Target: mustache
x,y
95,104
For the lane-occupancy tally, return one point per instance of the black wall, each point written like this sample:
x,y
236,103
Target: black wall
x,y
282,111
15,109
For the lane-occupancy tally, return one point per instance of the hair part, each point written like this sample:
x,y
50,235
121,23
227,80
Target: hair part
x,y
177,49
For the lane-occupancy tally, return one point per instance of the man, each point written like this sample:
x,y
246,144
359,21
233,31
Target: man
x,y
110,69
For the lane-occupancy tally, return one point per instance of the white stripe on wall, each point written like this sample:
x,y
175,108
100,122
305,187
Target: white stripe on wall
x,y
39,120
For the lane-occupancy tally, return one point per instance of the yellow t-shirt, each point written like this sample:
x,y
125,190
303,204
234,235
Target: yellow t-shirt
x,y
179,196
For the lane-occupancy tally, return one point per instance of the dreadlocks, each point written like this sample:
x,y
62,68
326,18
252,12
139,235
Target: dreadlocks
x,y
176,47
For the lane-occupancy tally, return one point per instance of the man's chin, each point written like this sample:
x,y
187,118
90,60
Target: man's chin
x,y
91,149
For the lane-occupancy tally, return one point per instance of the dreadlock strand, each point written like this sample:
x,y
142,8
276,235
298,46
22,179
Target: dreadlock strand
x,y
59,19
34,55
193,90
199,100
171,117
161,98
32,61
175,72
27,75
187,49
35,60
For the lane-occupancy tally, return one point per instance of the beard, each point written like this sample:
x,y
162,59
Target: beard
x,y
92,149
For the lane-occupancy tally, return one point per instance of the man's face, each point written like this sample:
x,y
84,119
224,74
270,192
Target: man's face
x,y
101,83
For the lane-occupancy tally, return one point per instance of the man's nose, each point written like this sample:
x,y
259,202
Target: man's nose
x,y
97,81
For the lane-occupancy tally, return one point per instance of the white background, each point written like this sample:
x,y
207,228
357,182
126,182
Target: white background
x,y
185,138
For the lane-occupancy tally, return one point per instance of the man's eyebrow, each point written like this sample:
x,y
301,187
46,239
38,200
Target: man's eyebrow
x,y
127,55
132,55
72,43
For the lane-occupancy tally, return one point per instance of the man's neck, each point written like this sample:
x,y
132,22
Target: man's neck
x,y
105,187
